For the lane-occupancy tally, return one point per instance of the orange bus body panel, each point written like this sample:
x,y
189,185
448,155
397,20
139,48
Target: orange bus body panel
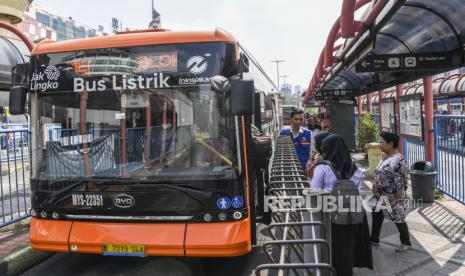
x,y
223,239
160,239
131,39
49,235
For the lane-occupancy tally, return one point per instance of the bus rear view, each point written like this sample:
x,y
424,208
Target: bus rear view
x,y
134,154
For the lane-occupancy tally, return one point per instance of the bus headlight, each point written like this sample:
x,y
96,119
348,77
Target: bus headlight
x,y
207,217
43,214
222,216
237,215
33,213
55,215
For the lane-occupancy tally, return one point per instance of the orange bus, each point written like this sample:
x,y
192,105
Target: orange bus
x,y
142,146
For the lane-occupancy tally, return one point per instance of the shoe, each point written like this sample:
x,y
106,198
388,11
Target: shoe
x,y
402,248
375,243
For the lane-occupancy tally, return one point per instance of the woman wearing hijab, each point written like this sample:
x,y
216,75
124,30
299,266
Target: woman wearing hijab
x,y
315,155
350,244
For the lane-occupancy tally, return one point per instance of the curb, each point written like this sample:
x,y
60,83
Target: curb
x,y
21,260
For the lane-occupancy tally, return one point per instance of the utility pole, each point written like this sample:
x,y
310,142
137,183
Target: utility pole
x,y
284,77
277,61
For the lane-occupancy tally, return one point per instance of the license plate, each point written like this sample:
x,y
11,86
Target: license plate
x,y
131,250
87,200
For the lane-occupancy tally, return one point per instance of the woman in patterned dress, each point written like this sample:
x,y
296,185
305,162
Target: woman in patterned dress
x,y
389,189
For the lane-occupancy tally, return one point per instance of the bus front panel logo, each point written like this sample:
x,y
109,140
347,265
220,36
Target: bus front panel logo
x,y
124,201
197,64
52,72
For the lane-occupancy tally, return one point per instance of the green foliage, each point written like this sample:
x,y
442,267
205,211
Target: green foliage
x,y
367,131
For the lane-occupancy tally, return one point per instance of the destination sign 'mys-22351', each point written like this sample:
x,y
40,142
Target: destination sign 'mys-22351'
x,y
408,62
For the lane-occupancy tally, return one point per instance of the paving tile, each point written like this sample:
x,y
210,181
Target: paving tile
x,y
435,265
421,272
420,240
456,253
451,268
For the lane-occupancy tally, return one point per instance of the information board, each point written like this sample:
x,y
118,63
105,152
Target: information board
x,y
388,115
411,116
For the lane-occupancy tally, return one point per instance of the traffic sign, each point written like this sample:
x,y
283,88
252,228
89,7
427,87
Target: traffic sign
x,y
409,62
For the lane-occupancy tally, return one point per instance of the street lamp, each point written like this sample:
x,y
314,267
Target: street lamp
x,y
277,61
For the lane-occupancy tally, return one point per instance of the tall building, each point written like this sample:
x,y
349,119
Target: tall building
x,y
286,90
298,89
40,24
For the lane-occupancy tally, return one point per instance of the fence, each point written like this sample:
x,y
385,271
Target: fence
x,y
414,149
300,242
14,179
449,132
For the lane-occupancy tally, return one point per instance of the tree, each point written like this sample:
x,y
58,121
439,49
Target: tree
x,y
367,131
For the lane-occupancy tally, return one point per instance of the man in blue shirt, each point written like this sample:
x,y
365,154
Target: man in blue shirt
x,y
302,137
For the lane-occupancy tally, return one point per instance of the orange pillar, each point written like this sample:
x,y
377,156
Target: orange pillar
x,y
380,98
429,113
399,93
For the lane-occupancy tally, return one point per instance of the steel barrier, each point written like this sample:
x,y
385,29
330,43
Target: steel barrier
x,y
449,133
301,243
414,149
14,179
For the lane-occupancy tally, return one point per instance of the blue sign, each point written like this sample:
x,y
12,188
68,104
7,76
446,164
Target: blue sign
x,y
223,203
237,202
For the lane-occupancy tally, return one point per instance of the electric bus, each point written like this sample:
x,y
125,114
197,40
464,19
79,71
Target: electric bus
x,y
141,143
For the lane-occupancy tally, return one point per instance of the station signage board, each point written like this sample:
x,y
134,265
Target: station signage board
x,y
408,62
334,95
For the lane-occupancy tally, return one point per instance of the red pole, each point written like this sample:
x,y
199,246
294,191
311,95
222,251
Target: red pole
x,y
359,107
399,93
429,131
19,33
369,103
347,18
380,98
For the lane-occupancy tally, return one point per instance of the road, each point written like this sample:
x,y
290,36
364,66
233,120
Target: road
x,y
89,265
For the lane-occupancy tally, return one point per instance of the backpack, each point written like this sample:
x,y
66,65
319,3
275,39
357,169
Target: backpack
x,y
343,190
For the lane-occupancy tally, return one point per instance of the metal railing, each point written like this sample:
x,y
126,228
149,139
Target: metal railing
x,y
14,178
414,149
300,235
449,133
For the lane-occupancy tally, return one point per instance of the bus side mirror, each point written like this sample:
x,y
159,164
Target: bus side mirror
x,y
17,103
244,63
242,97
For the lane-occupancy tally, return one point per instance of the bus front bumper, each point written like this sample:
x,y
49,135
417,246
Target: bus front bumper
x,y
221,239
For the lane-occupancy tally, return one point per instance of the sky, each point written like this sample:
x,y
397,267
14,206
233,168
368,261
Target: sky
x,y
292,30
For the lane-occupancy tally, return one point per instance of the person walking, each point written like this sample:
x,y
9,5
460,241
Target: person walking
x,y
301,137
390,191
350,244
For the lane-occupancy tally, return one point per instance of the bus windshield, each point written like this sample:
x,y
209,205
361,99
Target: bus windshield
x,y
143,113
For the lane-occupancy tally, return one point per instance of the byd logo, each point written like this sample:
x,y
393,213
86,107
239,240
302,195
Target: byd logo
x,y
124,201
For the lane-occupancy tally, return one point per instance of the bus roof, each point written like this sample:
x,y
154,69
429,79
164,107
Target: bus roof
x,y
128,39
